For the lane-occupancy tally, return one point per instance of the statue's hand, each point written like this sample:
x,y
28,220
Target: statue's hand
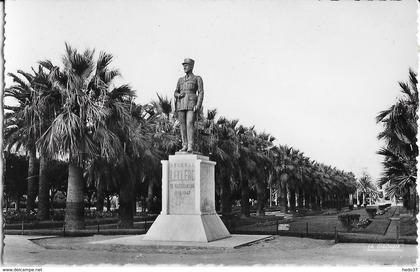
x,y
196,109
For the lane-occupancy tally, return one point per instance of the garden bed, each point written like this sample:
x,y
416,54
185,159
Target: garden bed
x,y
59,224
85,232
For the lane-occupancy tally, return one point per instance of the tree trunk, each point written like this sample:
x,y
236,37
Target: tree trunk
x,y
357,198
261,198
245,211
150,196
326,200
320,201
44,186
225,194
53,192
74,218
339,200
283,197
329,201
126,200
100,196
313,201
18,203
30,203
300,198
307,197
6,202
292,200
108,203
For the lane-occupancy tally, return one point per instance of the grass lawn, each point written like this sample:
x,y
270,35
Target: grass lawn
x,y
408,226
325,224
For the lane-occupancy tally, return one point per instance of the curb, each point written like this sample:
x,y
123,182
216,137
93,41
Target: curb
x,y
76,233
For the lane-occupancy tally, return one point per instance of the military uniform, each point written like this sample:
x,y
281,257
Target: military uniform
x,y
188,95
193,89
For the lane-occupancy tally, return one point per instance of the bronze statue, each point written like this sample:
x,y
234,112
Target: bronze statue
x,y
188,101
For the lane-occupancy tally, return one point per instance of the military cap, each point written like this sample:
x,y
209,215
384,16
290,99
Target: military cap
x,y
188,61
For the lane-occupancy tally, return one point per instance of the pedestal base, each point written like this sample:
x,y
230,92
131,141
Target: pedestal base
x,y
189,228
188,202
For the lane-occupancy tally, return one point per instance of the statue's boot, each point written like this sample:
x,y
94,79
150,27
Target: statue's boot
x,y
190,149
183,149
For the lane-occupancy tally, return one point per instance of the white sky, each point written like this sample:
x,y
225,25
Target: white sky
x,y
314,74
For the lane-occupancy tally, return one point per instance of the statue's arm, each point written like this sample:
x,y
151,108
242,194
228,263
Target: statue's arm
x,y
177,89
200,91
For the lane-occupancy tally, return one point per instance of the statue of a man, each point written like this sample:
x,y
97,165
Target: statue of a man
x,y
188,101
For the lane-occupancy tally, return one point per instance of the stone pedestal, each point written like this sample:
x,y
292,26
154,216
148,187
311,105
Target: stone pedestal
x,y
188,196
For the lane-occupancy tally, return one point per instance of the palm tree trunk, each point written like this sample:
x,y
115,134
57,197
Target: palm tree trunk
x,y
411,190
30,203
260,186
150,196
320,200
307,198
18,203
357,197
300,198
313,201
126,199
292,200
225,195
339,201
108,203
282,197
74,218
327,200
100,196
245,211
44,186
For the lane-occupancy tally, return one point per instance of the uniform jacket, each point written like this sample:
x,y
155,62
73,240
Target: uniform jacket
x,y
193,89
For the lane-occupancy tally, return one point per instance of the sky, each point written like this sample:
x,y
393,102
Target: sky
x,y
314,74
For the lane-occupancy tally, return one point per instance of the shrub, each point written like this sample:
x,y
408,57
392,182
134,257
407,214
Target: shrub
x,y
100,214
14,216
364,223
349,220
371,211
57,215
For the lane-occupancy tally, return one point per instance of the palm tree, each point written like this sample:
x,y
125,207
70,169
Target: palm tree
x,y
225,152
21,127
401,151
80,131
245,165
262,156
366,186
48,105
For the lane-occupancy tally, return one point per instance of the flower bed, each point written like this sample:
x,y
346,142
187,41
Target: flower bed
x,y
364,223
97,214
349,220
14,216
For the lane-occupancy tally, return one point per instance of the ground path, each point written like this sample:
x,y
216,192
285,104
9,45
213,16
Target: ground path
x,y
20,250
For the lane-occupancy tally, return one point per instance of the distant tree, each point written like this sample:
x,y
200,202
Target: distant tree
x,y
366,186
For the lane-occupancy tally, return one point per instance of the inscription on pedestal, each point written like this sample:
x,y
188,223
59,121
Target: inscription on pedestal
x,y
181,187
207,189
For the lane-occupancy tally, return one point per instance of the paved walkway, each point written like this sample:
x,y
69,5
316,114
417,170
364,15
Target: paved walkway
x,y
19,250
